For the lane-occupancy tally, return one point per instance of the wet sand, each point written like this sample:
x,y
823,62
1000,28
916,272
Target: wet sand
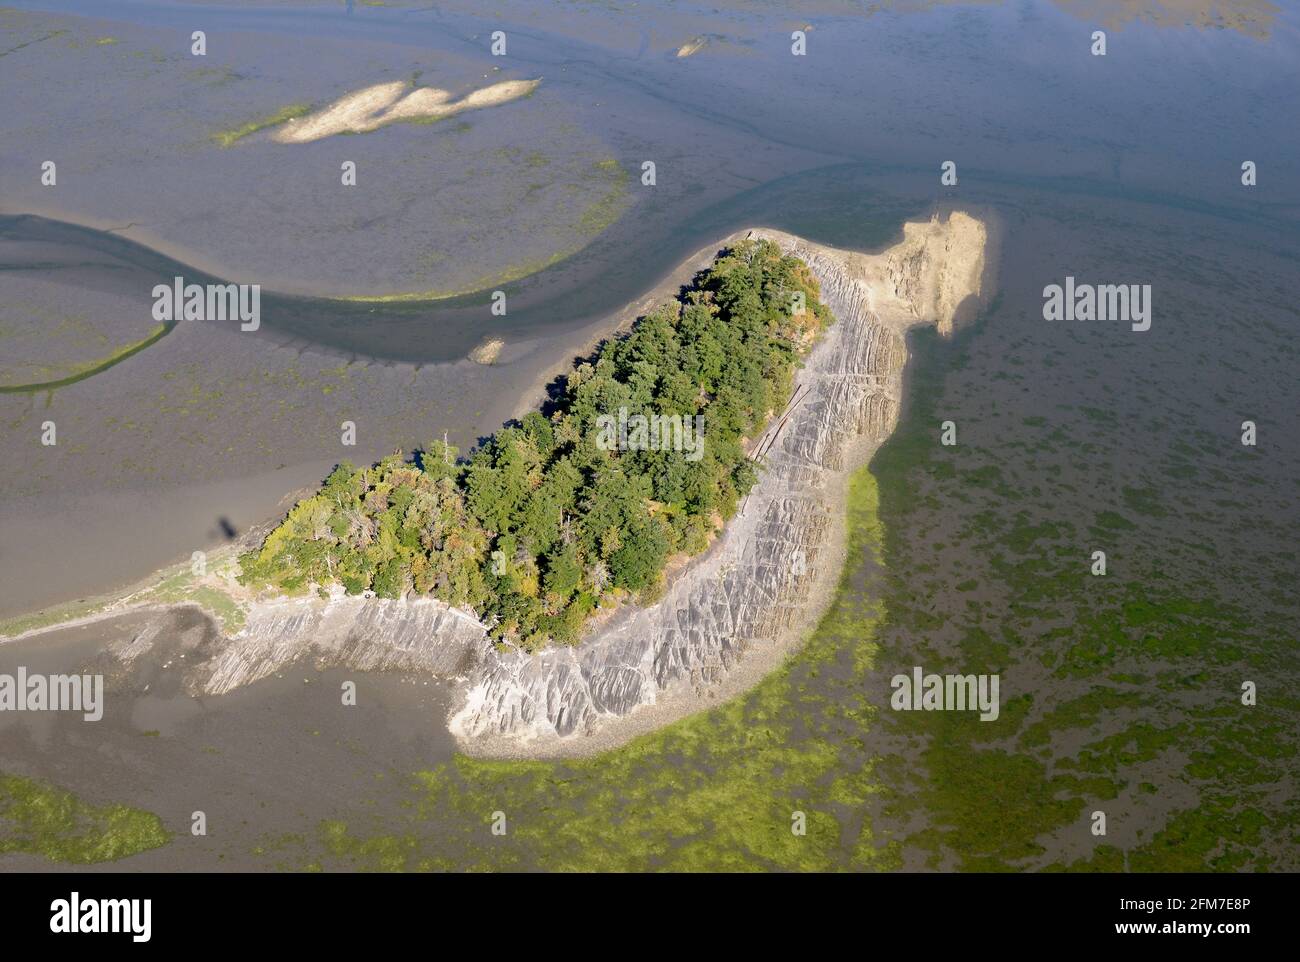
x,y
263,763
1100,171
741,131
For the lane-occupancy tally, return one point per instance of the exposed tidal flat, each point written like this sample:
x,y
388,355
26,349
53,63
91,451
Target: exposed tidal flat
x,y
263,762
941,271
726,620
539,195
198,435
732,615
1119,694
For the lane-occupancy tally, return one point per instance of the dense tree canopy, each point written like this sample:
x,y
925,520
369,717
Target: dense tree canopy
x,y
542,524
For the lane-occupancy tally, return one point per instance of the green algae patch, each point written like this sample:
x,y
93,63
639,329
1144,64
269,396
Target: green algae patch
x,y
1125,716
603,197
80,372
1121,693
50,617
1142,699
228,138
612,201
40,819
719,791
216,593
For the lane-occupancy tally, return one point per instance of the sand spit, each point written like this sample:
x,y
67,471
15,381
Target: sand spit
x,y
692,46
730,616
382,104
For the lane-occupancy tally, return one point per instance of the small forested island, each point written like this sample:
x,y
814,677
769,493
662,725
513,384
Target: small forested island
x,y
544,523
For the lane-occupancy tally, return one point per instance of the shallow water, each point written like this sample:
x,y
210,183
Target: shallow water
x,y
259,763
1123,169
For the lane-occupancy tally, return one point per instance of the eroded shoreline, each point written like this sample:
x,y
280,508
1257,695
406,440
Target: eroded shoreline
x,y
736,612
582,700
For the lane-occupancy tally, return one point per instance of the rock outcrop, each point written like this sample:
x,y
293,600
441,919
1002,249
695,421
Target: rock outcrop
x,y
367,634
758,589
755,584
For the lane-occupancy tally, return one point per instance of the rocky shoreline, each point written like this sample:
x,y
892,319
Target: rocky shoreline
x,y
731,615
735,612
